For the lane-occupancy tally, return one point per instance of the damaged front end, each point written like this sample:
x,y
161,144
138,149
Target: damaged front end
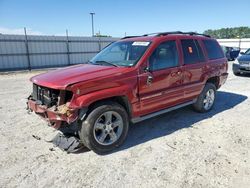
x,y
52,105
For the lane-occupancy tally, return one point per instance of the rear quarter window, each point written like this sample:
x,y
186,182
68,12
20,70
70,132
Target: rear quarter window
x,y
213,49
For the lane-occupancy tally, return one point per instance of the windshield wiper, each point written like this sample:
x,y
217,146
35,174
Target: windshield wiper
x,y
105,62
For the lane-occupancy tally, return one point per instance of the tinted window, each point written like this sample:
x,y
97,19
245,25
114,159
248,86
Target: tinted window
x,y
192,51
247,52
213,49
164,56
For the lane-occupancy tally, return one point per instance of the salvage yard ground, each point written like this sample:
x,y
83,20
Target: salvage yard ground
x,y
179,149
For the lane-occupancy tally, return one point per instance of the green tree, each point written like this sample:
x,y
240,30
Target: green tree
x,y
234,32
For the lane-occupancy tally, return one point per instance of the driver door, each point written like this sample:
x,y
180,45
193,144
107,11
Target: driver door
x,y
160,87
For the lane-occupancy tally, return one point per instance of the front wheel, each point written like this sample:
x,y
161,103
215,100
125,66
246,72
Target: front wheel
x,y
236,73
105,127
206,99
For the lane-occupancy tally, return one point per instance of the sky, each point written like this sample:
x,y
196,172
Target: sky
x,y
115,18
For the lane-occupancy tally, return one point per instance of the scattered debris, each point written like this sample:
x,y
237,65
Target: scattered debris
x,y
52,149
171,146
68,143
36,137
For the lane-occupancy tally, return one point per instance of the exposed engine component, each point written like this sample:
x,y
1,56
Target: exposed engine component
x,y
50,97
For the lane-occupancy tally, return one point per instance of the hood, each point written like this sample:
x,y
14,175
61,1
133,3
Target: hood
x,y
61,78
244,58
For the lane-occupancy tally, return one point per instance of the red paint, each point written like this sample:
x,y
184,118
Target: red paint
x,y
52,117
91,83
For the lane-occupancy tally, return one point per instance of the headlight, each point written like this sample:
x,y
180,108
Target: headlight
x,y
236,61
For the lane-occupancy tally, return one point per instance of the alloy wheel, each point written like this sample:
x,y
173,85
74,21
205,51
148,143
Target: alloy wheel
x,y
108,128
209,99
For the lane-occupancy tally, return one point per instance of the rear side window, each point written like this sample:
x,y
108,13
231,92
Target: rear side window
x,y
164,56
192,51
213,49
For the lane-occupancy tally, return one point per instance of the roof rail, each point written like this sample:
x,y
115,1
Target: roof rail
x,y
169,33
148,34
145,35
182,33
127,37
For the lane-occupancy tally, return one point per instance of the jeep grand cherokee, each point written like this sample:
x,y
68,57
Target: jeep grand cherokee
x,y
131,80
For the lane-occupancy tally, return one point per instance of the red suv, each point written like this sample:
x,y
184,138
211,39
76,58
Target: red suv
x,y
130,80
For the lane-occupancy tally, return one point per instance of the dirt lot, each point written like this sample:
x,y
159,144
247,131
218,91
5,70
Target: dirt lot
x,y
178,149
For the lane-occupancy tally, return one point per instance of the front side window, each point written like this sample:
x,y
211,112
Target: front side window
x,y
164,56
192,51
123,53
213,49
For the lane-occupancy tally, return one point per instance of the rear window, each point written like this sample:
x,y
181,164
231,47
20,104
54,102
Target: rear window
x,y
213,49
192,51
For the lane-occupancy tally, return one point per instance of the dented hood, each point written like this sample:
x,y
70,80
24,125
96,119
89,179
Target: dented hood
x,y
61,78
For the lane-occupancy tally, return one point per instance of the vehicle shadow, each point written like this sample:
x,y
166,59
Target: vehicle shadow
x,y
244,75
168,123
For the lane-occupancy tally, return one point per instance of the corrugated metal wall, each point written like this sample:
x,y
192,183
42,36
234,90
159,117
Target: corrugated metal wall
x,y
17,53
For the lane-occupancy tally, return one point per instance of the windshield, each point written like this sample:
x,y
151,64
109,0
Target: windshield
x,y
123,53
247,52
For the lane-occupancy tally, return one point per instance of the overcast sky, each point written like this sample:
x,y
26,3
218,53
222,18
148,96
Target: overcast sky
x,y
114,17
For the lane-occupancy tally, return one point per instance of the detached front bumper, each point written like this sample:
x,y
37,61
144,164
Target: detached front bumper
x,y
54,116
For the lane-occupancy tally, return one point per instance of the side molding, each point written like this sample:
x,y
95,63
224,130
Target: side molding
x,y
142,118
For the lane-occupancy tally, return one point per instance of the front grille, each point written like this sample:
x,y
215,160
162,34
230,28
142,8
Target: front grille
x,y
244,62
46,96
245,65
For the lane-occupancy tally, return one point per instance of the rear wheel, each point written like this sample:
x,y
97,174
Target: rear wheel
x,y
206,99
105,128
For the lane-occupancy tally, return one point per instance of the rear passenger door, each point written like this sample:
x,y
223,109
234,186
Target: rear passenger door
x,y
193,67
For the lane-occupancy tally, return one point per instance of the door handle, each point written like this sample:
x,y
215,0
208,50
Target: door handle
x,y
178,73
149,80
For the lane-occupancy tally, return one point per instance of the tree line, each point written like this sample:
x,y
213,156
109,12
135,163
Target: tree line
x,y
234,32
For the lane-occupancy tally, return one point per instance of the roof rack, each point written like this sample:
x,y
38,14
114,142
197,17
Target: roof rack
x,y
127,37
182,33
169,33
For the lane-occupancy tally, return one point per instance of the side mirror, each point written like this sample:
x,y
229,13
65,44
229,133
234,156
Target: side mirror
x,y
242,53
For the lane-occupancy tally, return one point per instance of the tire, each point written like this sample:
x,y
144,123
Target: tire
x,y
104,121
201,104
236,73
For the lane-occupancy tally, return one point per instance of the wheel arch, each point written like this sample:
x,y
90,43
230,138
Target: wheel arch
x,y
122,100
214,80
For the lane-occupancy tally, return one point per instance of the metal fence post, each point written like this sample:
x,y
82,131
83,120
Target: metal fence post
x,y
240,43
27,49
67,43
99,44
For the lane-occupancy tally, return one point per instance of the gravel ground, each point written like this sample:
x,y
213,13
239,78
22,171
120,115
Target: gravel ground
x,y
179,149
